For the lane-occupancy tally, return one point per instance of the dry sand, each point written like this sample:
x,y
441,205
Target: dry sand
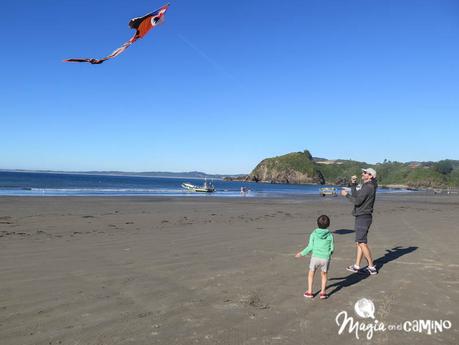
x,y
77,270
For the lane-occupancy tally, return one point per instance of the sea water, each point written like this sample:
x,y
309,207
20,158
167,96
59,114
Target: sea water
x,y
71,184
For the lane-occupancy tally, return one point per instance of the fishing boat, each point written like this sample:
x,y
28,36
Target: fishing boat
x,y
207,187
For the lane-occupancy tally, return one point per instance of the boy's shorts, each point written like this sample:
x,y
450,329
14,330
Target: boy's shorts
x,y
362,225
316,263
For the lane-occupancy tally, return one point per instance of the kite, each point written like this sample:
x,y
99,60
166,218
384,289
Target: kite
x,y
141,24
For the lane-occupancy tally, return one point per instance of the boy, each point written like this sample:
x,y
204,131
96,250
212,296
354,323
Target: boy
x,y
321,245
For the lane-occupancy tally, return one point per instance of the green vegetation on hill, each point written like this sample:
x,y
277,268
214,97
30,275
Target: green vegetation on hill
x,y
340,171
295,167
413,174
298,161
419,174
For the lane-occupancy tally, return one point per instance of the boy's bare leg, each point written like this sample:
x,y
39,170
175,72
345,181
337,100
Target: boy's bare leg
x,y
324,281
366,253
358,257
310,280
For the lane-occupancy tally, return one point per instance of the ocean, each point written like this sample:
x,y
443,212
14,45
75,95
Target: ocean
x,y
71,184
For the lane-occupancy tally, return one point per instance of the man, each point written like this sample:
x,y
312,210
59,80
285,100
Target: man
x,y
363,200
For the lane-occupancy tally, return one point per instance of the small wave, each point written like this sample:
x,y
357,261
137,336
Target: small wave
x,y
15,188
104,190
226,192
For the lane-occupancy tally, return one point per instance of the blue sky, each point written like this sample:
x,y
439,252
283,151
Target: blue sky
x,y
224,84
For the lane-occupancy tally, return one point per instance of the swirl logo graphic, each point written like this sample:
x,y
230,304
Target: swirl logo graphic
x,y
365,308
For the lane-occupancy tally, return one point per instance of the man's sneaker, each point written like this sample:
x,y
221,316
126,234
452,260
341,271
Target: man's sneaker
x,y
372,270
353,268
308,295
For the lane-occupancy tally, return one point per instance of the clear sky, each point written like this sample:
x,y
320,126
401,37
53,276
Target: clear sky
x,y
223,84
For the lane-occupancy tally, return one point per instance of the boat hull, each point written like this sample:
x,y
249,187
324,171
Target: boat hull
x,y
192,188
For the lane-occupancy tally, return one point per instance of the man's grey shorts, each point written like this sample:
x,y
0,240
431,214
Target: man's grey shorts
x,y
316,263
362,225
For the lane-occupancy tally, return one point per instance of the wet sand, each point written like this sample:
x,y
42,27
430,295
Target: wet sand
x,y
122,270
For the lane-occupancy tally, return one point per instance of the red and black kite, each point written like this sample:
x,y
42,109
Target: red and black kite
x,y
141,24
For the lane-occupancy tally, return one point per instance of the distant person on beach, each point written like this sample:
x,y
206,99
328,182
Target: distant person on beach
x,y
363,200
353,181
322,246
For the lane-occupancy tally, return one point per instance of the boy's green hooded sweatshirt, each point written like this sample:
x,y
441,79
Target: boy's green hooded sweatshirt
x,y
320,243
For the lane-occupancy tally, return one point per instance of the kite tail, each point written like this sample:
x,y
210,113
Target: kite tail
x,y
115,53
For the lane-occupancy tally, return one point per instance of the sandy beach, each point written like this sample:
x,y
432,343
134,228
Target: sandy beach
x,y
141,270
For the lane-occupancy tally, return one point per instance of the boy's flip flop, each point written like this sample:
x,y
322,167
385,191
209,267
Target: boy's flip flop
x,y
308,295
323,295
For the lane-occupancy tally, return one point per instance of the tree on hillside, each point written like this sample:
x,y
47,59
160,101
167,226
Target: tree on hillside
x,y
444,167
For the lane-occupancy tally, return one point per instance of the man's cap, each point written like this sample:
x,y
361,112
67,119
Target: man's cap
x,y
371,171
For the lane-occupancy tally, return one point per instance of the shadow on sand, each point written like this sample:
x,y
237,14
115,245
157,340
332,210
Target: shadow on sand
x,y
343,231
354,278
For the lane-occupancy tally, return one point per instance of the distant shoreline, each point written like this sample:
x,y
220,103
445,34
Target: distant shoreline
x,y
121,173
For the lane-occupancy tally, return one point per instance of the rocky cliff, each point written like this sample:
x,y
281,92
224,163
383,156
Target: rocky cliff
x,y
297,168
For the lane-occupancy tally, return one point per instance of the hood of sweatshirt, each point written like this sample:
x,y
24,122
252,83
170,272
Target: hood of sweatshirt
x,y
322,233
374,182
